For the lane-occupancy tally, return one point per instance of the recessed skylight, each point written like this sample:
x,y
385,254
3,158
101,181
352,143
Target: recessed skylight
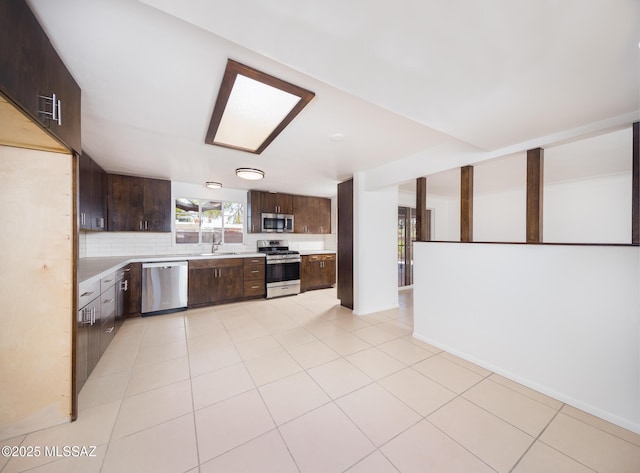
x,y
253,108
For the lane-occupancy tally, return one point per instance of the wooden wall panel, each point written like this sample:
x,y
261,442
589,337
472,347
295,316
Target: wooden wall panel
x,y
345,243
535,173
466,203
36,289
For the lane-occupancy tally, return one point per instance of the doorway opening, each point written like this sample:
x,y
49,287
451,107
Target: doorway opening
x,y
406,237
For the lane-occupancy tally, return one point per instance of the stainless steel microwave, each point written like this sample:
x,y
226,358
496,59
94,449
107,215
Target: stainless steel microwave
x,y
277,223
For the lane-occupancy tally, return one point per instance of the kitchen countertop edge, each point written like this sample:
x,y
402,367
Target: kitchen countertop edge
x,y
90,269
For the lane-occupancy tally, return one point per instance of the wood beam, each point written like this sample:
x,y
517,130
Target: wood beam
x,y
535,169
422,223
635,193
466,203
345,243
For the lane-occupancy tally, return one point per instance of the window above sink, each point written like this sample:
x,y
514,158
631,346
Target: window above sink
x,y
205,221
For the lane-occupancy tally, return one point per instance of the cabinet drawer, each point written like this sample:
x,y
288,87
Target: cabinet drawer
x,y
87,291
107,281
254,288
328,257
313,257
257,260
215,263
108,302
107,332
254,272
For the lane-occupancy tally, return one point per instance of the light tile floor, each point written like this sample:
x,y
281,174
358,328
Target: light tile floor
x,y
299,384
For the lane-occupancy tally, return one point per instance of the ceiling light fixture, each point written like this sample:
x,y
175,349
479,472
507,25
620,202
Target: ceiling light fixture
x,y
252,108
213,185
250,173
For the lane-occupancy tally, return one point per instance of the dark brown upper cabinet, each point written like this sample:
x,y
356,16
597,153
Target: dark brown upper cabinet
x,y
33,76
92,202
310,214
245,89
277,203
138,204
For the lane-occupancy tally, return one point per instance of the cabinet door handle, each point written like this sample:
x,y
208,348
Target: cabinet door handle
x,y
140,224
59,117
88,293
109,330
255,271
108,301
146,225
108,280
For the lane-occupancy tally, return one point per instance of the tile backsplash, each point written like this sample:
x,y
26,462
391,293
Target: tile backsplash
x,y
138,243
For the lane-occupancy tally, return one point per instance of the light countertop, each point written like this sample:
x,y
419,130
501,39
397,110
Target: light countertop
x,y
94,268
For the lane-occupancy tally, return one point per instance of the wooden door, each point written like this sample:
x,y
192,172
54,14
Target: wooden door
x,y
254,211
324,216
229,283
157,205
274,202
201,286
328,270
126,203
135,290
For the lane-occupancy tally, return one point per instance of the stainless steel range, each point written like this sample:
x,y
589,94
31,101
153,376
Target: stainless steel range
x,y
283,268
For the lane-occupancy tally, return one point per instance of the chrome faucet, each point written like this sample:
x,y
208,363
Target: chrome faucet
x,y
215,245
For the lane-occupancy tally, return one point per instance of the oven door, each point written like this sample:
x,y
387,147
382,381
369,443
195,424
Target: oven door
x,y
279,271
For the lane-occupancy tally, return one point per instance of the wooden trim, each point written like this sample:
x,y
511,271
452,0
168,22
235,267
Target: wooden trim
x,y
345,243
466,203
422,223
74,303
233,69
535,184
635,192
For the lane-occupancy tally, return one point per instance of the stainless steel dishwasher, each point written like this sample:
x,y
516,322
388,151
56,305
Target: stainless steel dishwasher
x,y
164,287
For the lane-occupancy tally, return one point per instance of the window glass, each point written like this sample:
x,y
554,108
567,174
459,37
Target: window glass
x,y
207,221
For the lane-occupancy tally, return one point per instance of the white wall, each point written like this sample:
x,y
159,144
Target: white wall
x,y
594,210
500,199
587,192
564,320
375,261
406,199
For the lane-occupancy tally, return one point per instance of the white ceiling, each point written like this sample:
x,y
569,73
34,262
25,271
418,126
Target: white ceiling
x,y
396,78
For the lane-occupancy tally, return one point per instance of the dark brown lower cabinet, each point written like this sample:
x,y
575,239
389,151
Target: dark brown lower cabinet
x,y
317,271
87,340
135,290
212,281
254,277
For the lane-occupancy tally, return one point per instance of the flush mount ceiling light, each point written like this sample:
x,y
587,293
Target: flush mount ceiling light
x,y
213,185
252,108
250,173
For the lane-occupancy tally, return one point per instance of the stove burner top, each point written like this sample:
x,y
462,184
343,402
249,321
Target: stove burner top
x,y
281,252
